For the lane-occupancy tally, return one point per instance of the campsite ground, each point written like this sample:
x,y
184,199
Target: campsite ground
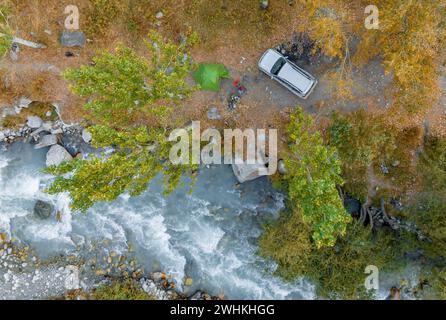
x,y
36,73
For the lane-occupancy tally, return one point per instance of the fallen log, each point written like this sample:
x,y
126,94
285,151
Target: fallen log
x,y
24,42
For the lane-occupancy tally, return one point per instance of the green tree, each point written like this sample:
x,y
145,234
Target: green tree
x,y
5,30
429,210
360,139
338,271
132,100
312,179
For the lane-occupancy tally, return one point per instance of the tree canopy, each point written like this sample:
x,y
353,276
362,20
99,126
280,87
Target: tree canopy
x,y
132,99
312,179
5,30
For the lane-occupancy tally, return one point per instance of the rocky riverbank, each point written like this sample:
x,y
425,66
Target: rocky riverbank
x,y
23,275
65,141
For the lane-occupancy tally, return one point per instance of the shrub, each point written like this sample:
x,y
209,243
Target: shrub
x,y
121,290
337,272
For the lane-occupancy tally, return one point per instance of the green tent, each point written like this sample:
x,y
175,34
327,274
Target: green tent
x,y
208,75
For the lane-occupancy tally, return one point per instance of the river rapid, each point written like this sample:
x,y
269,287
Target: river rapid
x,y
209,235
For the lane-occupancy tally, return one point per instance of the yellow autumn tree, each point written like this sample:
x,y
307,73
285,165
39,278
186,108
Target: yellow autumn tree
x,y
409,41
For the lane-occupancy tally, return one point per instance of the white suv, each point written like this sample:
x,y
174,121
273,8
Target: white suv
x,y
279,68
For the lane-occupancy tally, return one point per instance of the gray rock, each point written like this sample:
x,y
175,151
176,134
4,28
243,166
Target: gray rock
x,y
73,143
384,168
14,52
213,114
46,141
43,209
264,4
56,155
56,131
34,122
8,112
86,136
281,167
2,136
197,296
151,288
247,172
24,102
72,39
47,126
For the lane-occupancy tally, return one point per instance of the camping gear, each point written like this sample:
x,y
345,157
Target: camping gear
x,y
208,76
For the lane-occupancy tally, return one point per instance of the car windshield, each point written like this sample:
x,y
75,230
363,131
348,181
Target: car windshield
x,y
277,66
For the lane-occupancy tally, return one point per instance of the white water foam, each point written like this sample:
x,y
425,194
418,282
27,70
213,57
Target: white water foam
x,y
209,235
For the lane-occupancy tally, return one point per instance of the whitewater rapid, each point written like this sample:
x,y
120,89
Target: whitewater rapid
x,y
209,235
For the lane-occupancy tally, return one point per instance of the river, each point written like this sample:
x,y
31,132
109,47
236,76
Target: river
x,y
209,235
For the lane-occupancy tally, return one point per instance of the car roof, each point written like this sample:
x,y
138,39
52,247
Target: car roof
x,y
295,78
268,59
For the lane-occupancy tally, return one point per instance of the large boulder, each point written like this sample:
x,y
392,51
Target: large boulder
x,y
46,141
34,122
72,39
43,209
56,155
73,143
247,172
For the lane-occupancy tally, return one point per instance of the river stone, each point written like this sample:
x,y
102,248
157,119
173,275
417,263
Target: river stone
x,y
2,136
264,4
24,102
151,288
56,155
14,52
43,209
86,136
6,111
197,296
34,122
72,39
281,167
46,141
213,113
